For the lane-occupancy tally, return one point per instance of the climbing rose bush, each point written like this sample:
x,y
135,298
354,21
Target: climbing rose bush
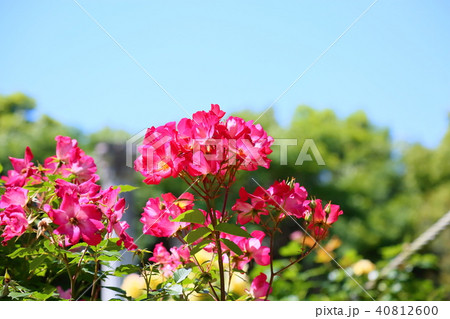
x,y
62,225
56,218
215,244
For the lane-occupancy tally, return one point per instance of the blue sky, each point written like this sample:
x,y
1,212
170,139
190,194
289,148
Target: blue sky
x,y
393,63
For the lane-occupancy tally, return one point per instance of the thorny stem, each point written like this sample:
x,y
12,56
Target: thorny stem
x,y
303,255
221,270
147,277
66,264
209,194
272,273
227,190
278,272
72,278
230,276
94,283
212,215
201,269
191,184
75,275
213,291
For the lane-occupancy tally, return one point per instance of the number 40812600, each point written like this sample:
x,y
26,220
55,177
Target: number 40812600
x,y
407,310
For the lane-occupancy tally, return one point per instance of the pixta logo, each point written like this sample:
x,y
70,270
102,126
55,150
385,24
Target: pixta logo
x,y
308,148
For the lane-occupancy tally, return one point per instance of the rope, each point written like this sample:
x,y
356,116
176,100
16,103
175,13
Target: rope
x,y
430,234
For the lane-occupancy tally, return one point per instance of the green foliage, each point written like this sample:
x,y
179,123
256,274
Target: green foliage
x,y
199,246
19,130
181,274
327,282
31,271
125,188
293,248
126,270
232,229
106,135
16,103
197,234
36,269
234,248
389,195
191,216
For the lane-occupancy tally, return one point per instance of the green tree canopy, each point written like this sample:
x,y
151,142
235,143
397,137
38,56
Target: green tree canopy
x,y
18,130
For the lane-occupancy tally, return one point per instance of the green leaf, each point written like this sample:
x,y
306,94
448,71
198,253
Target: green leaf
x,y
181,274
107,258
125,188
49,246
19,295
232,229
45,294
175,290
121,292
126,270
191,216
197,234
112,253
78,246
53,178
293,248
199,246
37,261
4,291
234,248
110,244
1,168
20,252
109,255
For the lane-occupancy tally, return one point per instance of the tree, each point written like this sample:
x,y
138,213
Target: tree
x,y
389,196
18,130
359,172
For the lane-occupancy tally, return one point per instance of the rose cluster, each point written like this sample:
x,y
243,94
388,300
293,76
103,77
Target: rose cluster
x,y
284,199
158,214
203,145
158,220
206,152
61,198
169,261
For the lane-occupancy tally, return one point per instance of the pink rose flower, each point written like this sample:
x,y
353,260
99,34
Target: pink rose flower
x,y
320,218
260,287
77,221
157,216
15,222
